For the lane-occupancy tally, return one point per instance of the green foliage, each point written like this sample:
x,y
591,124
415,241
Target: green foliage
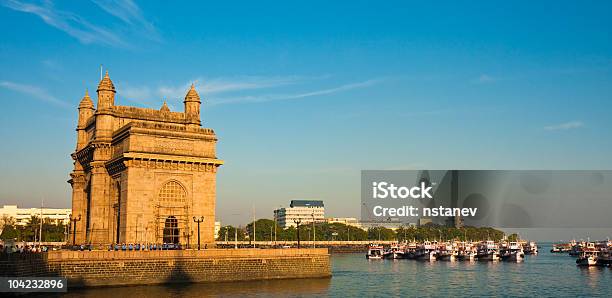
x,y
381,233
232,233
264,229
51,232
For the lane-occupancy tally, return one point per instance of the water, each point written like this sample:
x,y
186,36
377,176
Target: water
x,y
543,275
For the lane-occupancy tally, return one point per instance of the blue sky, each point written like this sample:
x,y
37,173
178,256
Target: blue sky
x,y
305,95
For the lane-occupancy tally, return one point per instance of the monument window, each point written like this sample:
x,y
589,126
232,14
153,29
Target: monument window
x,y
172,191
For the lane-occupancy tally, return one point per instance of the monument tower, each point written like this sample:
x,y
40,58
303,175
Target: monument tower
x,y
140,175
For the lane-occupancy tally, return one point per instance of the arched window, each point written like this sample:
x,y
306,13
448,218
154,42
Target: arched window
x,y
172,191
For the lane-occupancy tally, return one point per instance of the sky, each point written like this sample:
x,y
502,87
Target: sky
x,y
303,96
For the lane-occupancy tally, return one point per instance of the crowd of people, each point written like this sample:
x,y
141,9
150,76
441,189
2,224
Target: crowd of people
x,y
138,246
28,248
23,248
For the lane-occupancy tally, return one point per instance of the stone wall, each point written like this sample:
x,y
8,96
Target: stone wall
x,y
110,268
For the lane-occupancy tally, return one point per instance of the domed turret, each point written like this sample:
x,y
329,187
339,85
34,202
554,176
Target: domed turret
x,y
106,93
86,111
86,102
165,107
192,106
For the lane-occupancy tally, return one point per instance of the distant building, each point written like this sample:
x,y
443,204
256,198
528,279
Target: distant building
x,y
349,221
217,229
304,211
389,224
22,216
424,221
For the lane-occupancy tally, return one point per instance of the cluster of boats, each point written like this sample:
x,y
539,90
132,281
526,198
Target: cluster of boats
x,y
513,251
589,253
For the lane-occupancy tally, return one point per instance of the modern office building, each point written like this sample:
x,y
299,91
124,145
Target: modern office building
x,y
302,211
22,216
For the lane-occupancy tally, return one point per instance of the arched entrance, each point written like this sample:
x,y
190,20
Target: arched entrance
x,y
171,230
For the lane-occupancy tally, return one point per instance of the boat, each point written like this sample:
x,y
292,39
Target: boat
x,y
447,252
467,252
488,251
561,248
588,255
394,252
577,248
512,252
531,248
427,251
375,252
410,250
605,257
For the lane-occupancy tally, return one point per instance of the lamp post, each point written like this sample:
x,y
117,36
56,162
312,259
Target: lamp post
x,y
235,238
298,222
74,221
198,220
314,232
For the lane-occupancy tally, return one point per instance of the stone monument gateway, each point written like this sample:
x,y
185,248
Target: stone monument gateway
x,y
141,175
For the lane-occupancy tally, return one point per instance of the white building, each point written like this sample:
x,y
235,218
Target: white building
x,y
22,216
349,221
304,211
388,224
217,229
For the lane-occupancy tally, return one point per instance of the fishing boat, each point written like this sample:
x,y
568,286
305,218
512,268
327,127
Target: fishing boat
x,y
410,250
577,248
605,257
375,252
512,252
427,251
488,251
561,248
588,256
447,252
531,248
467,252
394,252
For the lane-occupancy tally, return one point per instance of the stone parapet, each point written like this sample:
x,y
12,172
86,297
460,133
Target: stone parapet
x,y
113,268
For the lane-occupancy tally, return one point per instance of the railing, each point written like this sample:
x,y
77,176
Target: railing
x,y
305,242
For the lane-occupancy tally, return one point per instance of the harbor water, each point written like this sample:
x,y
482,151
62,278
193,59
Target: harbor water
x,y
546,274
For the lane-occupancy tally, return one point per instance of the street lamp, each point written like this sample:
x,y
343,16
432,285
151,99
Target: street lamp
x,y
314,232
74,221
298,222
198,220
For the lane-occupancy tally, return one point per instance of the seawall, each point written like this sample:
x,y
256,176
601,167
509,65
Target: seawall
x,y
115,268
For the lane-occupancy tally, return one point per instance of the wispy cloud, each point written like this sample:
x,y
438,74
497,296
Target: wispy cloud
x,y
71,23
86,32
565,126
128,12
225,85
33,91
207,86
219,91
274,97
484,79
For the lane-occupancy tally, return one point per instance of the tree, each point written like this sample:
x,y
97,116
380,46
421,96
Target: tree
x,y
264,229
231,233
381,233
